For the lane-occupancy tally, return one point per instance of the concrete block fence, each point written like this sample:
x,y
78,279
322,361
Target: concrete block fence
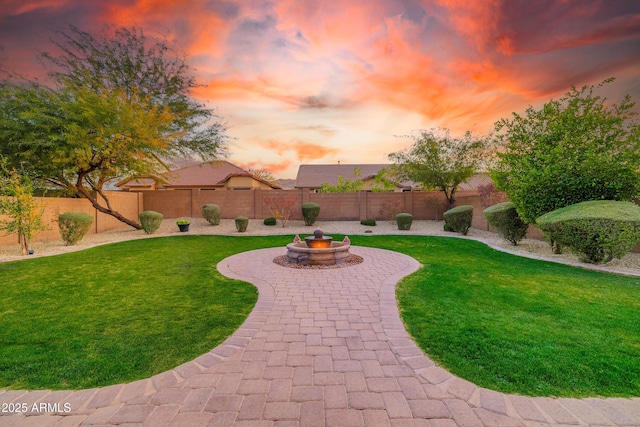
x,y
423,205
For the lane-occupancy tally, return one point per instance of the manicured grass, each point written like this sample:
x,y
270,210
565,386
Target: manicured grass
x,y
518,325
119,312
130,310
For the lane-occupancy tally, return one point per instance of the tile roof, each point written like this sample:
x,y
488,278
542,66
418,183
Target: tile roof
x,y
208,174
313,176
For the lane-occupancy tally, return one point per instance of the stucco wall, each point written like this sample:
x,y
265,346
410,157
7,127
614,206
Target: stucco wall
x,y
128,204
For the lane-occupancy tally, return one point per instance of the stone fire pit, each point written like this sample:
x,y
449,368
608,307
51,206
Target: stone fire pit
x,y
318,250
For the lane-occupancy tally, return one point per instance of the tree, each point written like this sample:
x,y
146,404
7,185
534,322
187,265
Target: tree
x,y
577,148
437,160
119,106
344,185
381,182
262,173
282,207
23,213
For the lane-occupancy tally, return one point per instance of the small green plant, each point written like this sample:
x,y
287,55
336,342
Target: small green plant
x,y
459,218
505,219
73,226
368,222
270,221
404,221
241,223
600,230
150,221
211,212
182,222
310,212
448,227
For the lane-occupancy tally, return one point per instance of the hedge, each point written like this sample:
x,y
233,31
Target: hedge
x,y
599,230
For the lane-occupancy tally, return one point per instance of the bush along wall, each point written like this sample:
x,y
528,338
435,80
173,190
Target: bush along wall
x,y
241,223
505,219
211,213
404,221
459,218
598,230
310,212
150,221
73,226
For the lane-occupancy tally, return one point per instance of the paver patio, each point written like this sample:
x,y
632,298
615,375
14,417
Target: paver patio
x,y
321,348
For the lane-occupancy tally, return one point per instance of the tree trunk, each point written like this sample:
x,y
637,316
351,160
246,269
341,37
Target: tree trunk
x,y
94,201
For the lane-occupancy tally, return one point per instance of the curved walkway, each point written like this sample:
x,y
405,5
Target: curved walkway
x,y
321,348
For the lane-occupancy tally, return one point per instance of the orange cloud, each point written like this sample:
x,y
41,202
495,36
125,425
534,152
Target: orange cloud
x,y
275,168
304,151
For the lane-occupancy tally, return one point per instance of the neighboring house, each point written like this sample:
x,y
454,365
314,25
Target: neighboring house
x,y
313,176
214,175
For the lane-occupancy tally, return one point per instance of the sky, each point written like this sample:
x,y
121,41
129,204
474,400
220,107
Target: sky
x,y
312,82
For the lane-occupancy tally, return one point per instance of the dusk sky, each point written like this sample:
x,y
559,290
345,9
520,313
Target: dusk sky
x,y
302,82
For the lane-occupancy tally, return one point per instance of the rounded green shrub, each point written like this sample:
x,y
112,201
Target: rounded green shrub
x,y
211,212
460,218
368,222
505,219
150,221
599,230
73,226
270,221
448,227
404,221
310,212
241,223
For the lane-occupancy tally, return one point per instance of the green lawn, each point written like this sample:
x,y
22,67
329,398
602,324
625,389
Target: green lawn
x,y
519,325
130,310
119,312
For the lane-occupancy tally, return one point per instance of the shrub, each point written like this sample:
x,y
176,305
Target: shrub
x,y
599,230
448,227
73,226
282,208
211,213
310,212
404,221
459,218
241,223
150,221
270,221
505,219
368,222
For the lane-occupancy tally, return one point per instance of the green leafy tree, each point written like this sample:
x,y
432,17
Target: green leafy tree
x,y
22,212
344,185
381,182
577,148
120,104
439,161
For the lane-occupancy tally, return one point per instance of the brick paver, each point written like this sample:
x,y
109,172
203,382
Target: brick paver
x,y
321,348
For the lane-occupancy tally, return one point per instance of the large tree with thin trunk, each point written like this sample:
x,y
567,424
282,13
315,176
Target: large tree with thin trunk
x,y
116,107
439,161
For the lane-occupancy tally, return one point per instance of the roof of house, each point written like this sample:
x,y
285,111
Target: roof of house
x,y
313,176
213,173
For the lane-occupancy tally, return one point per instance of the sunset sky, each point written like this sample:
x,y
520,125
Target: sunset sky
x,y
303,82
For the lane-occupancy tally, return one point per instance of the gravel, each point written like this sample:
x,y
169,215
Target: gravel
x,y
630,264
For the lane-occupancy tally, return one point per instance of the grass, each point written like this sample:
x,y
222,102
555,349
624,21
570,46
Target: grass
x,y
130,310
119,312
519,325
